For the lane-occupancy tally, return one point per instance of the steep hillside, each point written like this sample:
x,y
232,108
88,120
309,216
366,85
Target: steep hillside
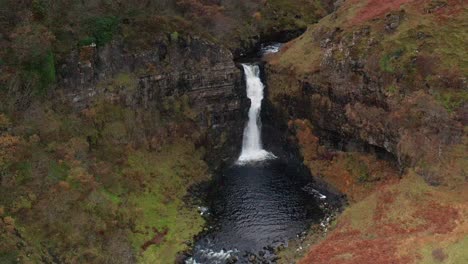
x,y
377,97
396,81
111,110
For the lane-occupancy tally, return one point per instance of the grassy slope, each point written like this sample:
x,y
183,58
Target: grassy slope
x,y
405,222
445,28
176,167
389,220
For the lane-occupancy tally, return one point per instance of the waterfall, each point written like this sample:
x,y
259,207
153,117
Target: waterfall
x,y
252,149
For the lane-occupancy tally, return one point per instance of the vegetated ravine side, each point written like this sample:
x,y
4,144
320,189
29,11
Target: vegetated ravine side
x,y
376,94
111,110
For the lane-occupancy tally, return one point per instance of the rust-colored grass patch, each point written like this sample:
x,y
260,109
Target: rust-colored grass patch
x,y
440,219
355,174
376,8
353,249
394,224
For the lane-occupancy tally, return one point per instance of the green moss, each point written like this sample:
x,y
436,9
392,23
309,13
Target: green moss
x,y
21,203
161,207
87,41
39,8
392,89
178,108
385,64
114,132
388,62
174,36
111,196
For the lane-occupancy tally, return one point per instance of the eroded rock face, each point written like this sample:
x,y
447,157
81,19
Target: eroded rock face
x,y
346,93
175,67
177,71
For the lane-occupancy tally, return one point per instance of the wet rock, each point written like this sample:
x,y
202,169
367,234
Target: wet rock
x,y
232,260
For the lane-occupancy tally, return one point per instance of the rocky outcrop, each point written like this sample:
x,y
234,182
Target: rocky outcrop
x,y
367,82
176,66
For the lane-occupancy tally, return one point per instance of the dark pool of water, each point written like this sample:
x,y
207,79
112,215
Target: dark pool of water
x,y
255,208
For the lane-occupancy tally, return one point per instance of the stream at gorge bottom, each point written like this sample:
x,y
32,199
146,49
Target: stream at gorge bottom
x,y
255,208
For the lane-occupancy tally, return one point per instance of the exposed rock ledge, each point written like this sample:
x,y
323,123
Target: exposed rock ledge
x,y
176,66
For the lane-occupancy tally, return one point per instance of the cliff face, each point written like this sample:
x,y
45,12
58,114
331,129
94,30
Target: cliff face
x,y
178,70
397,82
176,66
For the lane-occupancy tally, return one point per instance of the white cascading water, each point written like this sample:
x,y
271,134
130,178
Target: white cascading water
x,y
252,149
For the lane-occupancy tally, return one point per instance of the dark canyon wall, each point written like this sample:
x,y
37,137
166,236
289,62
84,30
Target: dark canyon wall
x,y
188,68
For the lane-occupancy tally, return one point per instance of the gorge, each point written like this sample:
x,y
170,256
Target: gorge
x,y
261,201
180,131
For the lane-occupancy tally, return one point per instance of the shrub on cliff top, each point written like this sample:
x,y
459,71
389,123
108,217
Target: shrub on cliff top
x,y
101,29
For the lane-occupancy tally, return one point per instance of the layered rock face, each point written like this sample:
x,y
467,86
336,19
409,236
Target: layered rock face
x,y
382,82
176,67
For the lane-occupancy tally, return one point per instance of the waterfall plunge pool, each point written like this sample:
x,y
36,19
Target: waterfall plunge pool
x,y
256,208
259,203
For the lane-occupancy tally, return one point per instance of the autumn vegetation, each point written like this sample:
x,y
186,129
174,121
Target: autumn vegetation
x,y
107,183
391,75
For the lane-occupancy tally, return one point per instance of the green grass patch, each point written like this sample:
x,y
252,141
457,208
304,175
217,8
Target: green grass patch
x,y
8,257
114,198
167,174
361,214
439,253
458,252
452,100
